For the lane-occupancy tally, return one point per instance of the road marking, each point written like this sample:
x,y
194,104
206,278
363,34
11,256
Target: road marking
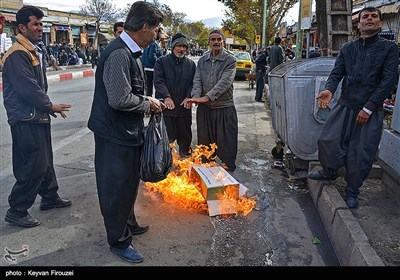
x,y
58,146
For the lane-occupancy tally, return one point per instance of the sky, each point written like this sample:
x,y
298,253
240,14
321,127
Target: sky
x,y
194,9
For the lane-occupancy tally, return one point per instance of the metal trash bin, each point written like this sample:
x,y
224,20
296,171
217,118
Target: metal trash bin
x,y
296,118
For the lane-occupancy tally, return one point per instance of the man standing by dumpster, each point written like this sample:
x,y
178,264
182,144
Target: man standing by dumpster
x,y
261,68
352,131
276,55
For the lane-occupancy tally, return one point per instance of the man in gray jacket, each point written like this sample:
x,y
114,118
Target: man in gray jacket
x,y
216,116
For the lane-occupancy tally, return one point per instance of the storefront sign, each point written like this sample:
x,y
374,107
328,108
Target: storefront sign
x,y
305,14
84,39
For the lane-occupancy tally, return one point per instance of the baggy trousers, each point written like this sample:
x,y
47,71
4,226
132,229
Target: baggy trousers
x,y
342,142
32,165
219,126
117,175
179,128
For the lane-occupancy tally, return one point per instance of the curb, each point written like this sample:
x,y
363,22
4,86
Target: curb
x,y
348,238
69,76
52,79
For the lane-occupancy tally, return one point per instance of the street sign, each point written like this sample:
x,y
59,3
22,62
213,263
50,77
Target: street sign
x,y
258,39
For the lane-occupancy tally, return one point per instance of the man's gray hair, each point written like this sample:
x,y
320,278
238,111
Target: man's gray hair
x,y
216,31
142,12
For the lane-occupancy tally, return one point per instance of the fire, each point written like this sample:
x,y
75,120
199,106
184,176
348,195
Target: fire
x,y
182,190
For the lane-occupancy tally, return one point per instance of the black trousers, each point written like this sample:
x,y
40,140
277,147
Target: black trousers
x,y
219,126
32,165
180,129
260,84
150,82
117,175
342,142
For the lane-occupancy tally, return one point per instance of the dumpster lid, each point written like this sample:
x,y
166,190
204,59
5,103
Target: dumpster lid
x,y
282,68
302,66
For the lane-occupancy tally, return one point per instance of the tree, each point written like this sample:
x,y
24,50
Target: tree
x,y
244,18
174,22
103,10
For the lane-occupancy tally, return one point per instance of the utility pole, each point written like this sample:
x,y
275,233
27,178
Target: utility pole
x,y
264,28
299,35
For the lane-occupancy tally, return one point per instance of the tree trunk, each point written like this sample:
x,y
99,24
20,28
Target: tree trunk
x,y
322,26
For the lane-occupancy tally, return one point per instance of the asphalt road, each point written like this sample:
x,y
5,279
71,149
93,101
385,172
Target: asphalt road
x,y
284,229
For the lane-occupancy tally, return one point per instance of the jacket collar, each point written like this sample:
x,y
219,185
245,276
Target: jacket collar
x,y
222,55
369,40
25,43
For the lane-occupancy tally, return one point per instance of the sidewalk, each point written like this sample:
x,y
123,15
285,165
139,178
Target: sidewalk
x,y
368,235
65,73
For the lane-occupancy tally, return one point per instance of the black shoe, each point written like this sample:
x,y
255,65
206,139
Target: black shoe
x,y
56,203
352,202
21,220
321,176
139,230
259,100
129,254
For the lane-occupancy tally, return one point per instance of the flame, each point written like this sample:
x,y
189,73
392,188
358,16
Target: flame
x,y
185,192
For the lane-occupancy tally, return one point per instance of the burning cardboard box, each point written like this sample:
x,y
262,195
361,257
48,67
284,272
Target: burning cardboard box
x,y
219,188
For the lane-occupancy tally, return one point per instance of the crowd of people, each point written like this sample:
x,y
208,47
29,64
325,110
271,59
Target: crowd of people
x,y
56,55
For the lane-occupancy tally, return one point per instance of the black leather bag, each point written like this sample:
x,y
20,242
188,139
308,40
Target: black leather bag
x,y
156,157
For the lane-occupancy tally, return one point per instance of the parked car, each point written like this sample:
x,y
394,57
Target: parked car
x,y
244,64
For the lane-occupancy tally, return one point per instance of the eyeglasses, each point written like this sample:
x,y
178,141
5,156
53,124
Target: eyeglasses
x,y
219,39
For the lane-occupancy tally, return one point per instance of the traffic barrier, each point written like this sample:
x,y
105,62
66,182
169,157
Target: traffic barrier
x,y
51,79
87,73
65,76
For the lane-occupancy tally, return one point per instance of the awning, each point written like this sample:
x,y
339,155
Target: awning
x,y
105,38
8,17
390,9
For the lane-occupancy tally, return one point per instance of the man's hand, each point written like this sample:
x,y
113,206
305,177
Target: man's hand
x,y
187,103
169,103
60,108
156,105
362,117
324,98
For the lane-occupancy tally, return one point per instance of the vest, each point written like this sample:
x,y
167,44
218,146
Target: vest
x,y
121,127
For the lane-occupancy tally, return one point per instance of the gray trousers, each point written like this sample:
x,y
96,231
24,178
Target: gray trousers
x,y
342,142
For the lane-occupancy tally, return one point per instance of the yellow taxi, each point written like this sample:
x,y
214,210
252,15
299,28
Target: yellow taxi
x,y
244,64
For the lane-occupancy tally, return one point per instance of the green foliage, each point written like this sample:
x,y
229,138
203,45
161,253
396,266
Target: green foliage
x,y
244,19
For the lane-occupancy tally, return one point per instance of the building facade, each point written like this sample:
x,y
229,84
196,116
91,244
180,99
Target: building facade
x,y
58,27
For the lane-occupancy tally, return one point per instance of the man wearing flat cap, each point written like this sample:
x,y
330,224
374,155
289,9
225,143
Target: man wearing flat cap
x,y
173,81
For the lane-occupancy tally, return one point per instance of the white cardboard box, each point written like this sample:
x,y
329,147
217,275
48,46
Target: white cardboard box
x,y
213,181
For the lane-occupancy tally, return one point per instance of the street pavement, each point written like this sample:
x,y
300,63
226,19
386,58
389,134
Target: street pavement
x,y
367,236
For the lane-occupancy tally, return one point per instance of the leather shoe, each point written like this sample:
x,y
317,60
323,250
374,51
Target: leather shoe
x,y
352,202
129,254
321,176
139,230
21,219
55,203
